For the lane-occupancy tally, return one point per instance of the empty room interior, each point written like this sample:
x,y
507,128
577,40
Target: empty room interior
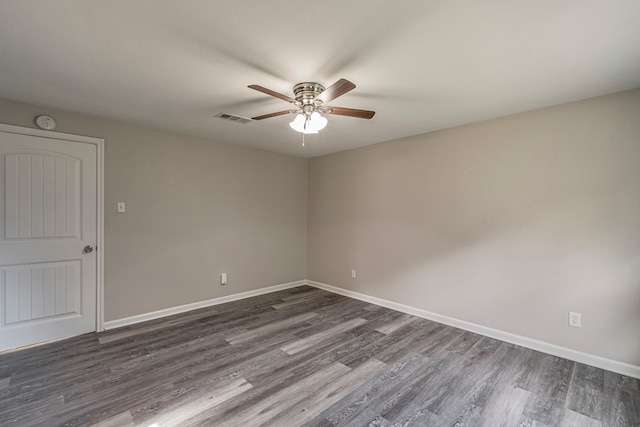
x,y
340,213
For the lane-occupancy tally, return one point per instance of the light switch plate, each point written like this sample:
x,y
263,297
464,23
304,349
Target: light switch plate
x,y
121,208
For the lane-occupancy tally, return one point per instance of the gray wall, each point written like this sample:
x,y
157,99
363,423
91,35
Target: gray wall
x,y
195,208
508,223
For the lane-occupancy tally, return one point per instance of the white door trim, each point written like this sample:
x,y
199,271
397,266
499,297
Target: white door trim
x,y
99,143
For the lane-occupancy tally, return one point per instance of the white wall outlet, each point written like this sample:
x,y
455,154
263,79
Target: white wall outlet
x,y
121,208
354,274
223,278
575,319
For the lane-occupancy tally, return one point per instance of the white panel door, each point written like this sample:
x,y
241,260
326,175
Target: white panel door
x,y
48,232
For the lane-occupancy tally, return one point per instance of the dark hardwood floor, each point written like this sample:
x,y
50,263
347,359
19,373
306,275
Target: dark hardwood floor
x,y
304,357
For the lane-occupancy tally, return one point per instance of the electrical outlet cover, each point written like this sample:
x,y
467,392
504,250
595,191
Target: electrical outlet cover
x,y
575,319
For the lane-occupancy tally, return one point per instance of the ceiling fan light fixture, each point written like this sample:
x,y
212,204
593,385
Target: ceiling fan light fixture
x,y
308,124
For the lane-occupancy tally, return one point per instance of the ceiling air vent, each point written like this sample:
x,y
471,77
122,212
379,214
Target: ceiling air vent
x,y
233,118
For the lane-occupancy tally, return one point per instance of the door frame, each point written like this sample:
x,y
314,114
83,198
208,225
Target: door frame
x,y
99,143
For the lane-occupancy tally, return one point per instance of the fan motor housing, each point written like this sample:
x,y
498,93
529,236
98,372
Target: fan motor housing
x,y
306,93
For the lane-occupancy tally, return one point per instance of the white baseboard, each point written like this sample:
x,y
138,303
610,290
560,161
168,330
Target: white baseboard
x,y
112,324
567,353
544,347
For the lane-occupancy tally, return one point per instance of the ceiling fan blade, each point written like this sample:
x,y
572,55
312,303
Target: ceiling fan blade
x,y
272,93
337,89
266,116
350,112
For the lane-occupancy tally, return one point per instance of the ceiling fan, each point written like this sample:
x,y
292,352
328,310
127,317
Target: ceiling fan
x,y
310,100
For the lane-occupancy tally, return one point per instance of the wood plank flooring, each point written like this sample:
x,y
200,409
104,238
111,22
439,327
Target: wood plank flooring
x,y
304,357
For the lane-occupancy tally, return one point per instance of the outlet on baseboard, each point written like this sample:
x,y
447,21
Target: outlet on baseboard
x,y
575,319
354,274
223,278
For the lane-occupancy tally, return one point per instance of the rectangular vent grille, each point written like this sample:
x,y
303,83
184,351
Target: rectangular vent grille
x,y
231,117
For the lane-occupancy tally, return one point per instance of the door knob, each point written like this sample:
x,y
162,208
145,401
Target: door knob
x,y
87,249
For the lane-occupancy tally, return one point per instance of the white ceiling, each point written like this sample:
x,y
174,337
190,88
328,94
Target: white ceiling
x,y
421,65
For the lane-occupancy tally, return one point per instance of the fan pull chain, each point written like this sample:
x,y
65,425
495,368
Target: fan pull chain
x,y
303,139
